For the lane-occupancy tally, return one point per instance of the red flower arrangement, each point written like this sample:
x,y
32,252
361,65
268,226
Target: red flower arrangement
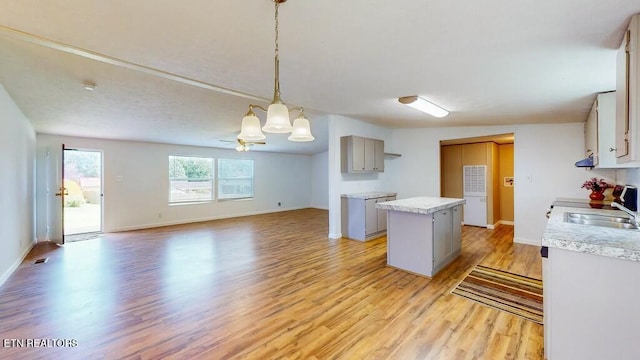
x,y
596,185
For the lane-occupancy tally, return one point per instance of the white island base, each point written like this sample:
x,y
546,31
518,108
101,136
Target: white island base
x,y
423,234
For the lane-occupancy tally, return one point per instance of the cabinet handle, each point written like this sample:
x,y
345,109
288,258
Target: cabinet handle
x,y
612,149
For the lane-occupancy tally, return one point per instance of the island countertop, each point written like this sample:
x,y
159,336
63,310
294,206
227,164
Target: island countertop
x,y
420,205
591,239
368,195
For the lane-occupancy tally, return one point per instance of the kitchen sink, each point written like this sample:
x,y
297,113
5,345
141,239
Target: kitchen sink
x,y
616,222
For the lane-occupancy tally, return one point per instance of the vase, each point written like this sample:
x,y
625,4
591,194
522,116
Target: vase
x,y
597,195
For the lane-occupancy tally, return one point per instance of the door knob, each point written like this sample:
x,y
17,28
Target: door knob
x,y
62,191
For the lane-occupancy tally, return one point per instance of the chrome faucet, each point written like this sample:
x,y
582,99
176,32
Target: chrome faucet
x,y
633,214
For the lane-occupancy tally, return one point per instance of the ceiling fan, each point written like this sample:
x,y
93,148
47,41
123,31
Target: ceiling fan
x,y
244,145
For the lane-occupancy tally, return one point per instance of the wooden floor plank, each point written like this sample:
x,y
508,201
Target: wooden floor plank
x,y
259,287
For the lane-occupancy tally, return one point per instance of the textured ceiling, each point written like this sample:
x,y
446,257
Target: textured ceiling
x,y
490,62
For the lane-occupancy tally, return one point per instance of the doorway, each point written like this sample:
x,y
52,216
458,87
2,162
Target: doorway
x,y
495,153
82,181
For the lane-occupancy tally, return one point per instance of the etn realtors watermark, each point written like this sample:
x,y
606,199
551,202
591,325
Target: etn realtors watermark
x,y
39,343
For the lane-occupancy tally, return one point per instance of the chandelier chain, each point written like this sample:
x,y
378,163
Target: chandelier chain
x,y
276,26
276,87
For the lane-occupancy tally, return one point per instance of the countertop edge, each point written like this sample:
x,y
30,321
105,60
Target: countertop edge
x,y
368,195
615,243
592,249
437,205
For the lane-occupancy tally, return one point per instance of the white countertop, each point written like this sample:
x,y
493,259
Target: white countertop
x,y
420,205
368,195
590,239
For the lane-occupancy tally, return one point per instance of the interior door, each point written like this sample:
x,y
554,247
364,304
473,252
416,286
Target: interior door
x,y
61,192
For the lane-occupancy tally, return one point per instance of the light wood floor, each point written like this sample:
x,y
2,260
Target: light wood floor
x,y
262,287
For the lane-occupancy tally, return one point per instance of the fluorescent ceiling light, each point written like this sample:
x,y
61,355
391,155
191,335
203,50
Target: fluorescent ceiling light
x,y
423,105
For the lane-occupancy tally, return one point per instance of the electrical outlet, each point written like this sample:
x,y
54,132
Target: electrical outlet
x,y
159,215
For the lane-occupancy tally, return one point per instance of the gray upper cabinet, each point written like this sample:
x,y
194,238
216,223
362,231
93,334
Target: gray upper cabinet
x,y
378,155
361,155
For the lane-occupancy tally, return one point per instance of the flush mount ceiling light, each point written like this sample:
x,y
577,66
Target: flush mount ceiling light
x,y
277,114
423,105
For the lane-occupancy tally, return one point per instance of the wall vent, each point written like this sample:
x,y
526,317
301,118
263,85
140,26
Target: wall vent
x,y
41,261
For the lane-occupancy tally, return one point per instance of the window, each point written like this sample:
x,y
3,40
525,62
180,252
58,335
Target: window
x,y
235,179
190,179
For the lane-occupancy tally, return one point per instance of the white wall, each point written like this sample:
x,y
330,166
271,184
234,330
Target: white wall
x,y
137,200
17,180
544,157
340,183
320,180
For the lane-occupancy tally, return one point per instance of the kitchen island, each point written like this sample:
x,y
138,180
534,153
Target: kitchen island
x,y
590,294
423,233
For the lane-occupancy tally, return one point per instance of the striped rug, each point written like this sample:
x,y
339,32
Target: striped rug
x,y
513,293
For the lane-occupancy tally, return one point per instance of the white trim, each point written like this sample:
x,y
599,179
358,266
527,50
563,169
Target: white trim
x,y
16,264
210,218
320,207
527,241
500,222
335,236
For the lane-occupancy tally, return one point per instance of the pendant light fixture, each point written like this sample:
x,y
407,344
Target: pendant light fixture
x,y
277,113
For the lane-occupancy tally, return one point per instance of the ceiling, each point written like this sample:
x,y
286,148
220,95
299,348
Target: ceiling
x,y
185,72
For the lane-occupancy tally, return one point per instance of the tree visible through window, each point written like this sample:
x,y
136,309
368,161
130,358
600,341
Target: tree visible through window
x,y
235,178
190,179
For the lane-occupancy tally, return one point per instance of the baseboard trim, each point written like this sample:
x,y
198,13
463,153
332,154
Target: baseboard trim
x,y
335,236
526,241
505,222
16,264
190,221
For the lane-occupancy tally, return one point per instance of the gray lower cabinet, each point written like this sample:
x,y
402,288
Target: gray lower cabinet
x,y
442,234
424,243
456,228
590,306
447,236
361,220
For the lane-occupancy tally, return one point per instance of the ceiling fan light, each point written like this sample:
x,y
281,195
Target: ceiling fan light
x,y
423,105
277,119
240,147
301,130
250,129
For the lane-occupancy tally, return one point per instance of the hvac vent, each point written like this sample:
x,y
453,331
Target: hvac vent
x,y
41,261
475,180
